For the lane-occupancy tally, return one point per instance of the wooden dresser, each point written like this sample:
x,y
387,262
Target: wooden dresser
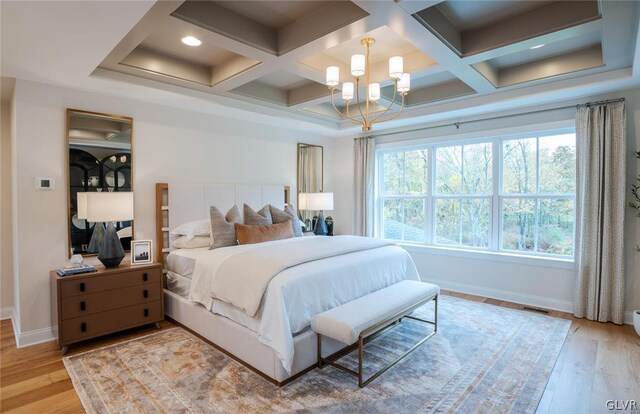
x,y
93,304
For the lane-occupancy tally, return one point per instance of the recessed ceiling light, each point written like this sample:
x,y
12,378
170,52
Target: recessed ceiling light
x,y
191,41
537,46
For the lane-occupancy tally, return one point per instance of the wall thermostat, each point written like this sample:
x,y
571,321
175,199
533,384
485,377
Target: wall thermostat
x,y
45,183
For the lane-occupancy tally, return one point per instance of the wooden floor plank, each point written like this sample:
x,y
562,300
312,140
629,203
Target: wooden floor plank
x,y
597,362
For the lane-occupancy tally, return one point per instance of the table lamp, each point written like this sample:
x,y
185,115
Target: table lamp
x,y
108,208
317,202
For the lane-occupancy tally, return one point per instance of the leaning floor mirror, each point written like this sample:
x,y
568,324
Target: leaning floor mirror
x,y
310,177
99,160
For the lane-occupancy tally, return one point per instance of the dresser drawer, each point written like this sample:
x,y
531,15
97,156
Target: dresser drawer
x,y
85,327
74,306
94,284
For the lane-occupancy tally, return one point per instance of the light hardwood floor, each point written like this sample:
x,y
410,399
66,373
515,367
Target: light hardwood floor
x,y
598,362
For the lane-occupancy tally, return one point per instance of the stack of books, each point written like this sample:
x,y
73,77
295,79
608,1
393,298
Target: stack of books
x,y
74,270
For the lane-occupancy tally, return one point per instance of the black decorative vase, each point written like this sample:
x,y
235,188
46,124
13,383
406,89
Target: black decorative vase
x,y
330,229
111,252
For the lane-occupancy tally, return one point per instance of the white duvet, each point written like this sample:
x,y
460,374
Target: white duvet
x,y
297,293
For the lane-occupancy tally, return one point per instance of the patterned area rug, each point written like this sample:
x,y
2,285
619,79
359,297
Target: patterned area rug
x,y
484,359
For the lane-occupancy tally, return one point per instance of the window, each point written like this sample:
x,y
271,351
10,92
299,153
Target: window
x,y
538,194
463,189
502,194
404,194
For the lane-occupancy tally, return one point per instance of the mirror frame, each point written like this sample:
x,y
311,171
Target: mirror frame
x,y
69,112
300,145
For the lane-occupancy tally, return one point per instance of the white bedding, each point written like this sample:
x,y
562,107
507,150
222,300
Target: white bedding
x,y
183,261
242,279
298,293
181,285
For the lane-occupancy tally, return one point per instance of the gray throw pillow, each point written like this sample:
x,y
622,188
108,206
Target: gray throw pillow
x,y
223,228
289,213
260,218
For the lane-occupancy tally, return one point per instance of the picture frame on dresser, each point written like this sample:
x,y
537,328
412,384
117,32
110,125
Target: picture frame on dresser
x,y
141,252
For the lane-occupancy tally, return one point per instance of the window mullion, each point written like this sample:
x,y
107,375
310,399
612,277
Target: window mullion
x,y
496,208
427,200
432,192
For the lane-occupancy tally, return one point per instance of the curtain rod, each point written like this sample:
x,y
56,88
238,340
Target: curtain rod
x,y
601,102
457,124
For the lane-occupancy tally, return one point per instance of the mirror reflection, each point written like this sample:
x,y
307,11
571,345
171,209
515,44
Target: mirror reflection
x,y
310,176
100,160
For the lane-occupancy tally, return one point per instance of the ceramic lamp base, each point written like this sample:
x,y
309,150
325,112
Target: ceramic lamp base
x,y
321,226
111,252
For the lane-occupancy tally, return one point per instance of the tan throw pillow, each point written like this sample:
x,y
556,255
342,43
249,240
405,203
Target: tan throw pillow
x,y
260,218
289,213
223,231
260,234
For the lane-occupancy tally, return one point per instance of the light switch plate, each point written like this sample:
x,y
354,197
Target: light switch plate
x,y
45,183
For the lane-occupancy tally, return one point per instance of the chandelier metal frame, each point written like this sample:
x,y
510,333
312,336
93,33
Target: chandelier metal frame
x,y
370,116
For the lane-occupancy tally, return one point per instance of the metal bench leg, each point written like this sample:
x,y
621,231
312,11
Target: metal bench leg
x,y
320,365
435,319
360,352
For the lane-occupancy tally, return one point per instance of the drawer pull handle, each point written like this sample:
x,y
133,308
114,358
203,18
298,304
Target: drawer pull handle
x,y
82,287
146,312
145,293
83,327
83,305
145,277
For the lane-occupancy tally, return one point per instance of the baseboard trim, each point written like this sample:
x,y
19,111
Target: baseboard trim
x,y
522,299
628,318
6,313
35,337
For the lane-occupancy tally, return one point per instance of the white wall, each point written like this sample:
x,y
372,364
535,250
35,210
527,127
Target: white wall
x,y
6,270
169,145
541,284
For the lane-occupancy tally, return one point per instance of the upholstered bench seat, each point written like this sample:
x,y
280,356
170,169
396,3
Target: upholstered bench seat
x,y
359,319
345,323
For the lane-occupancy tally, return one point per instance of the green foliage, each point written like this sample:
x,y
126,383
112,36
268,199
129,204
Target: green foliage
x,y
531,166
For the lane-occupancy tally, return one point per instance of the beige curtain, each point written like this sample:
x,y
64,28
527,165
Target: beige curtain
x,y
600,204
364,153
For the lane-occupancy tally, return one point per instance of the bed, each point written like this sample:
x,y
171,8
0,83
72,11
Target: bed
x,y
265,324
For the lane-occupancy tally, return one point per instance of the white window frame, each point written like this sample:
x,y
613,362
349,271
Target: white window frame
x,y
537,196
497,197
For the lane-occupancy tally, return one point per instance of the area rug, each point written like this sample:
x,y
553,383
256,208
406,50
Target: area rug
x,y
484,359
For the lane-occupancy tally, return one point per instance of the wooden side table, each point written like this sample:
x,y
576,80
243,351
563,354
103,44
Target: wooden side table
x,y
110,300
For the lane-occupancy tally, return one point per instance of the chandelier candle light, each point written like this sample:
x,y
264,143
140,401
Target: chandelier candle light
x,y
360,67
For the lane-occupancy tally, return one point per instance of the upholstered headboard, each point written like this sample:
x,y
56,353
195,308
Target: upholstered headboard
x,y
178,203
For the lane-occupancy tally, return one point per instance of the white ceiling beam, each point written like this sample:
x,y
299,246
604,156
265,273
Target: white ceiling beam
x,y
563,34
405,25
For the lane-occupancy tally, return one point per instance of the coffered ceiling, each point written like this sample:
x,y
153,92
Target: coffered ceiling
x,y
270,56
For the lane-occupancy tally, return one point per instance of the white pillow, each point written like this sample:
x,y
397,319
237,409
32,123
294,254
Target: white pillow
x,y
192,229
184,243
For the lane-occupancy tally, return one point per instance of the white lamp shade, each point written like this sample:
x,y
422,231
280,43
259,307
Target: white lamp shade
x,y
374,91
302,201
111,206
333,75
357,65
404,83
347,91
81,205
396,67
316,201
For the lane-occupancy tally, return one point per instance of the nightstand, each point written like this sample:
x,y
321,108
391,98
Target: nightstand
x,y
110,300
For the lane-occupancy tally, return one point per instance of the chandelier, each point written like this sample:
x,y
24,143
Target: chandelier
x,y
368,115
